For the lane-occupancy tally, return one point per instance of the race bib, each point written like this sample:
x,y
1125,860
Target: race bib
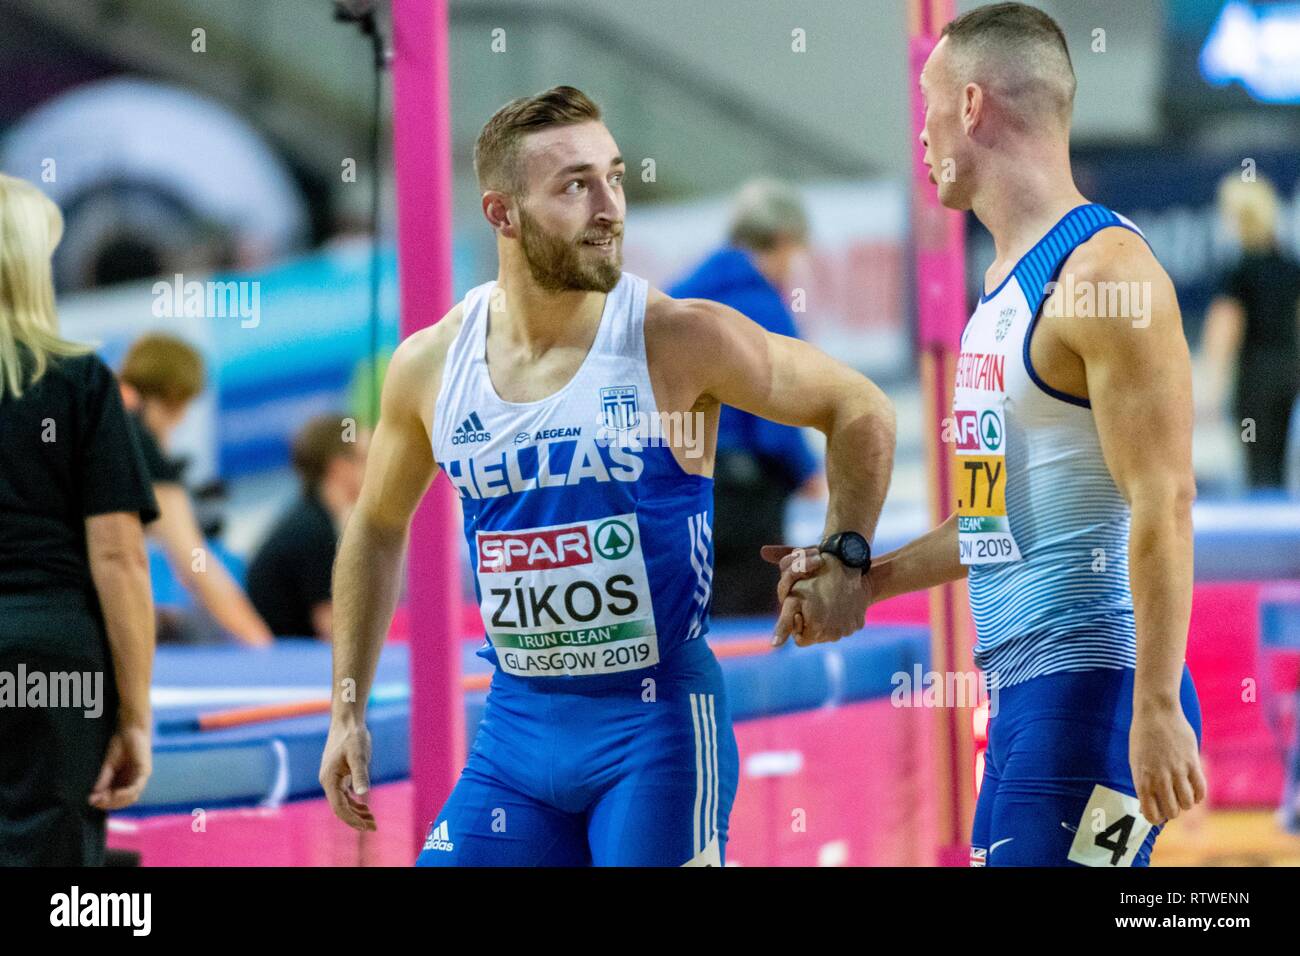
x,y
567,600
980,485
1111,829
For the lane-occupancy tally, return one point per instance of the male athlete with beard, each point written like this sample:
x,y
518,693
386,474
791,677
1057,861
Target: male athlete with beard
x,y
1073,433
559,400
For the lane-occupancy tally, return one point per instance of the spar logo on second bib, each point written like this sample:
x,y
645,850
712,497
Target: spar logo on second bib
x,y
991,429
978,430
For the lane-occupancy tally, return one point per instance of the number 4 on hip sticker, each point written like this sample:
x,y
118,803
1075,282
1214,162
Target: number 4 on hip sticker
x,y
1111,829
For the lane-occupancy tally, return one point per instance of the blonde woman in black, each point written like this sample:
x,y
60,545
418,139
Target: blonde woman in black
x,y
76,615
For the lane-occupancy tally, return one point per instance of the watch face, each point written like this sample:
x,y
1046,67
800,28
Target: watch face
x,y
854,550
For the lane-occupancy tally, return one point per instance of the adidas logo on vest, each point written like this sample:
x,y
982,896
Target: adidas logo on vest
x,y
470,430
438,839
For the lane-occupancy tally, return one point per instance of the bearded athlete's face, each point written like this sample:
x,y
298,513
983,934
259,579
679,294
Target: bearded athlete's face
x,y
571,213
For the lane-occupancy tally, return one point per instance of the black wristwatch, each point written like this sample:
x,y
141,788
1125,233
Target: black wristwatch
x,y
851,548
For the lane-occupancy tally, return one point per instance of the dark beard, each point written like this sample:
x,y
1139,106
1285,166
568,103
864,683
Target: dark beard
x,y
556,265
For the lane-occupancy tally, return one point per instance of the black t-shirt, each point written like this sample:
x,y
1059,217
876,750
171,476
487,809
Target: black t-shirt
x,y
1267,284
160,468
67,452
290,574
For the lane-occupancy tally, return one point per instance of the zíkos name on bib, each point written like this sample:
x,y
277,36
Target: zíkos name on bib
x,y
568,599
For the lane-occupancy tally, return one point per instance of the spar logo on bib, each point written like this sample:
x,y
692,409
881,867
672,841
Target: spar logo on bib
x,y
570,599
978,430
534,550
979,477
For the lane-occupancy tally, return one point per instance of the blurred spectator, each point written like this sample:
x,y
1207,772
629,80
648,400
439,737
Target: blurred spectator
x,y
74,580
759,464
289,577
1252,325
161,376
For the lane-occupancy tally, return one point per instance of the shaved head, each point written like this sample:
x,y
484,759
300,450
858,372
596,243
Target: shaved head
x,y
1018,54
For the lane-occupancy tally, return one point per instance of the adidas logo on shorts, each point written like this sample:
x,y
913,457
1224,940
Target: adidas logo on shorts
x,y
470,430
438,839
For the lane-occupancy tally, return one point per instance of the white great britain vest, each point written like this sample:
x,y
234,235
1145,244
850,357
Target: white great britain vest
x,y
1040,520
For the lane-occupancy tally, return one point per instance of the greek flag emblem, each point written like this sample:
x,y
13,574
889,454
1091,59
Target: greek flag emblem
x,y
618,406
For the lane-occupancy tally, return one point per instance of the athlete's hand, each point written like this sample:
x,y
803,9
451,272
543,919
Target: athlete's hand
x,y
799,564
345,773
1166,765
795,564
832,605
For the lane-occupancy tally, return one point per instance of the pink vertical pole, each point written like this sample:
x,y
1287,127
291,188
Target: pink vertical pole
x,y
422,153
939,243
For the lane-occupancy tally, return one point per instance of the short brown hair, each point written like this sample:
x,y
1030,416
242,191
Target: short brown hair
x,y
496,151
1026,37
317,444
164,367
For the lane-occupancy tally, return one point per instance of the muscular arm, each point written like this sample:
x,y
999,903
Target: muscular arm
x,y
1140,386
718,355
367,570
210,583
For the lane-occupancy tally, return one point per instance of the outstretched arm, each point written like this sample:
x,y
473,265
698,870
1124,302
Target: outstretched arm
x,y
926,562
